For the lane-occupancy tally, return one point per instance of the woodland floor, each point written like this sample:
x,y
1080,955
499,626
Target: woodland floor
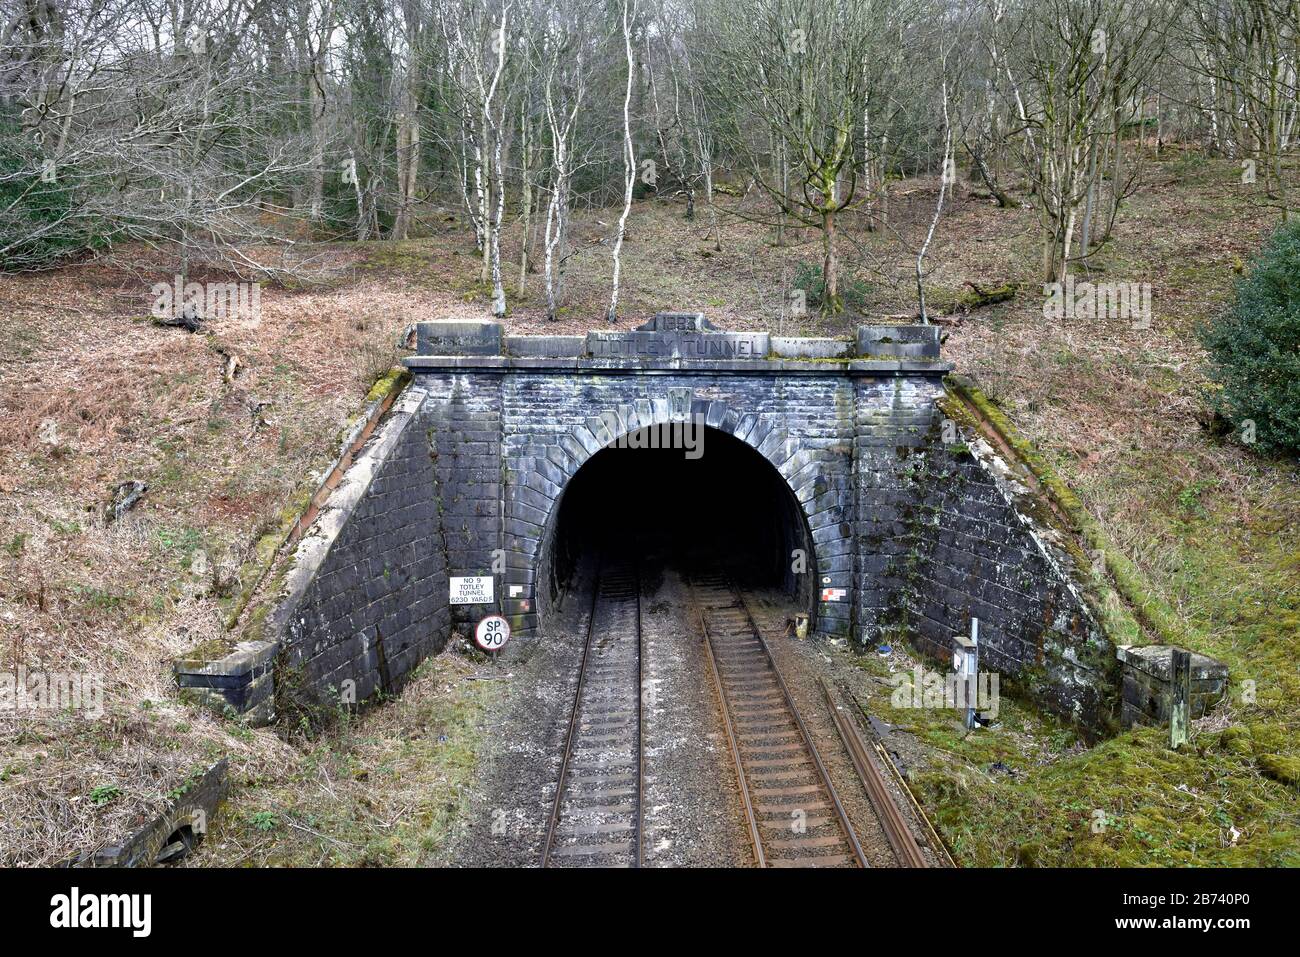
x,y
93,394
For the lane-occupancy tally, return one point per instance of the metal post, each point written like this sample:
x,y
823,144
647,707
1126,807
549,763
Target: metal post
x,y
966,662
1180,697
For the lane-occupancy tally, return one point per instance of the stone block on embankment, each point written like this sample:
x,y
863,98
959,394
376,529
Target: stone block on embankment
x,y
458,338
1147,695
909,341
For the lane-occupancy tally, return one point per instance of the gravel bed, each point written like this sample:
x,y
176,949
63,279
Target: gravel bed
x,y
692,810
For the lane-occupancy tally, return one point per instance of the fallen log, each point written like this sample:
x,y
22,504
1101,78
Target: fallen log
x,y
980,297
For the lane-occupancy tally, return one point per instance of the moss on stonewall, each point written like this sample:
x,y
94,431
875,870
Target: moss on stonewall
x,y
267,549
392,381
1129,582
1231,799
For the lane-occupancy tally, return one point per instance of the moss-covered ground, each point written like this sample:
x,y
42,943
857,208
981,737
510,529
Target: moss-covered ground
x,y
380,788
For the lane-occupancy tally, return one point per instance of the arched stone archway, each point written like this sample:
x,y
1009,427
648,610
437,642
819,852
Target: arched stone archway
x,y
534,495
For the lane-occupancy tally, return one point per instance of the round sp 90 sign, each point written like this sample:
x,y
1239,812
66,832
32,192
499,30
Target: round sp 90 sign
x,y
492,633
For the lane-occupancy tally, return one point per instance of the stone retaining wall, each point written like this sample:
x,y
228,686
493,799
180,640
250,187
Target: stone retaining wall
x,y
366,598
981,553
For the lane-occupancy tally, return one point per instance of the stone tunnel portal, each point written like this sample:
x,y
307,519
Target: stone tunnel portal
x,y
710,504
510,459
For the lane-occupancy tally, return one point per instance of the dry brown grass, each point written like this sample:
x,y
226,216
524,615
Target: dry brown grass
x,y
383,790
92,394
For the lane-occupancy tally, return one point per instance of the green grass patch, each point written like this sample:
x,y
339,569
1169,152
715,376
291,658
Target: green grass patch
x,y
382,789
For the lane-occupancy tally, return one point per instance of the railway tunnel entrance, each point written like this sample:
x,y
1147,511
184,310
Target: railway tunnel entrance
x,y
509,459
686,497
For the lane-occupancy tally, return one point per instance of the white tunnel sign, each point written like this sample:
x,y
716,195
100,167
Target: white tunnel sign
x,y
472,590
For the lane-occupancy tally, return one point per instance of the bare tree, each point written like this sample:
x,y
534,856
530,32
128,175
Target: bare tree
x,y
410,94
565,86
1248,54
315,24
1081,66
133,124
795,69
629,161
495,124
947,177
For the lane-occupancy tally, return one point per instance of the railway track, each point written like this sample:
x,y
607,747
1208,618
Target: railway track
x,y
795,817
907,850
596,819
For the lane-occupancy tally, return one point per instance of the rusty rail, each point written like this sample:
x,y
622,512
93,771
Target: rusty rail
x,y
937,844
906,849
756,690
752,821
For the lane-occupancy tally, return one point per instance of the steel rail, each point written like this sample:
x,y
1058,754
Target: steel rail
x,y
575,721
906,849
803,730
937,844
549,840
640,719
754,835
823,775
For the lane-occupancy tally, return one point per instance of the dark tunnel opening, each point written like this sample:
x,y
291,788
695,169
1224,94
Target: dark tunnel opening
x,y
714,505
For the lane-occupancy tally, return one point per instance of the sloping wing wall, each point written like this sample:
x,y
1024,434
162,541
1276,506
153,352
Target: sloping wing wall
x,y
365,599
946,534
982,554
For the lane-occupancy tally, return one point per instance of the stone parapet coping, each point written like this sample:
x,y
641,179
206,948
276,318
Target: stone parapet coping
x,y
312,547
594,366
676,337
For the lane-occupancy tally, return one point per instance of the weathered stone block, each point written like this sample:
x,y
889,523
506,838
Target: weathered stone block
x,y
243,680
556,346
1148,684
679,345
913,342
789,347
458,338
676,322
